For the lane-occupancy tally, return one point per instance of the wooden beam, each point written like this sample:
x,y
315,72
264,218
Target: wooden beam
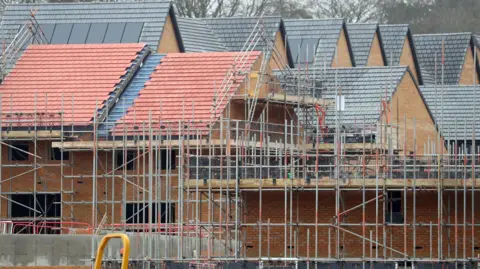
x,y
307,100
280,98
346,146
30,134
88,145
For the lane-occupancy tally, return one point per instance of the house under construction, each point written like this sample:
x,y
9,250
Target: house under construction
x,y
260,155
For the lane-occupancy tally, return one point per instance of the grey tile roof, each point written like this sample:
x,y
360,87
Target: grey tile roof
x,y
362,87
325,32
428,79
429,45
477,40
152,14
458,107
361,37
234,31
197,36
393,38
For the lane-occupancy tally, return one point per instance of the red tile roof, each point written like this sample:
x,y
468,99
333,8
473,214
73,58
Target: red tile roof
x,y
184,86
83,74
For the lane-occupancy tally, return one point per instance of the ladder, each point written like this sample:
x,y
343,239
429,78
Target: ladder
x,y
258,85
30,31
239,64
101,224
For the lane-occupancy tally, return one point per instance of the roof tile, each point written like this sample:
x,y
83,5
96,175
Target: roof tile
x,y
48,78
393,38
456,104
150,14
429,47
361,37
362,88
319,35
197,36
192,75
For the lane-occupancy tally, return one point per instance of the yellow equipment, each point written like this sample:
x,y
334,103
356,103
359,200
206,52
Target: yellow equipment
x,y
103,244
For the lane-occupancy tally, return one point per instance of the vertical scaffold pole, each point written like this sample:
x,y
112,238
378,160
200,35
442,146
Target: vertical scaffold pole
x,y
150,187
1,149
237,179
414,188
94,175
35,122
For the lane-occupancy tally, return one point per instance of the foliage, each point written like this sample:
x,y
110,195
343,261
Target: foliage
x,y
351,10
229,8
432,16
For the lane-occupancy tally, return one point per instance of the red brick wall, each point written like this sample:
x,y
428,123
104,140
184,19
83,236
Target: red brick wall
x,y
303,205
304,211
80,163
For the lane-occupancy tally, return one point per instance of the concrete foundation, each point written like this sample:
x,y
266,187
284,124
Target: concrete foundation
x,y
76,250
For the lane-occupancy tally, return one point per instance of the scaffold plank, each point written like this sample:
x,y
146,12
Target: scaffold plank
x,y
216,184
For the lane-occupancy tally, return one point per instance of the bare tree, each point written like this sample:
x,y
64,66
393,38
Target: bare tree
x,y
351,10
220,8
432,16
229,8
289,9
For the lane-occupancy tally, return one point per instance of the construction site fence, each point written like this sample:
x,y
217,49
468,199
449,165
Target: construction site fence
x,y
157,228
288,264
68,227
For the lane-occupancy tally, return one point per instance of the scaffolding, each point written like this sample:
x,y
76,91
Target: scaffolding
x,y
291,191
29,33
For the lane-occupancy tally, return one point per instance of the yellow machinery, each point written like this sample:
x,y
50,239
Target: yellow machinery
x,y
103,244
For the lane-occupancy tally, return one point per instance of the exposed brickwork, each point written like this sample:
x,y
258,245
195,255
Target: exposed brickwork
x,y
343,57
168,43
376,57
80,163
279,58
407,58
468,69
407,105
273,209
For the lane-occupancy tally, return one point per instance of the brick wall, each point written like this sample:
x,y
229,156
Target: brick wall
x,y
109,187
273,209
375,57
303,205
407,58
342,57
468,69
168,43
